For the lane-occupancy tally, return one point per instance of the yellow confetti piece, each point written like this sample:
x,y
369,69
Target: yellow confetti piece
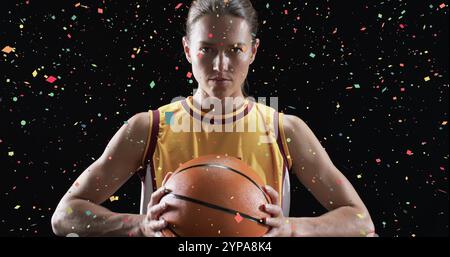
x,y
114,198
34,73
17,207
360,215
11,153
444,122
359,176
8,49
427,78
69,210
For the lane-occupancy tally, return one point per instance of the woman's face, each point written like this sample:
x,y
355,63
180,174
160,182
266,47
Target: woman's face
x,y
220,50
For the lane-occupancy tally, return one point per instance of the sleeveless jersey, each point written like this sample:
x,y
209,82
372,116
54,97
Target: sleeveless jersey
x,y
180,131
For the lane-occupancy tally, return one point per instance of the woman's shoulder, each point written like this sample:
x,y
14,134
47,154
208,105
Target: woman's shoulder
x,y
294,126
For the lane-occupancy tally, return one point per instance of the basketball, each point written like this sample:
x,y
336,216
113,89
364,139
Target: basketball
x,y
216,196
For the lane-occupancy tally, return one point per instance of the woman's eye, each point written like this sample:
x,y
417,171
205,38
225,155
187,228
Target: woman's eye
x,y
204,49
236,49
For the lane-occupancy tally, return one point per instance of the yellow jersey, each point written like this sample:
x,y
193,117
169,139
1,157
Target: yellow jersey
x,y
180,131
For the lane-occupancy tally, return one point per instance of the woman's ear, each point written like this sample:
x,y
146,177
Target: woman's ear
x,y
254,50
186,49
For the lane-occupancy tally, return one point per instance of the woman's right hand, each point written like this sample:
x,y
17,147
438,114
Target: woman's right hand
x,y
152,224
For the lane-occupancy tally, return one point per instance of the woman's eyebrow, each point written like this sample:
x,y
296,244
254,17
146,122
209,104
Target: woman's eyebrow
x,y
214,44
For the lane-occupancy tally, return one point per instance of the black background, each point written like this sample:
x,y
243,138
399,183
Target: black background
x,y
99,86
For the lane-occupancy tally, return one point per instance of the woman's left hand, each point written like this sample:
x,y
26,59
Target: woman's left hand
x,y
280,226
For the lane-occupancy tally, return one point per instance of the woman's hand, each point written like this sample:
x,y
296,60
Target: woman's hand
x,y
280,225
152,224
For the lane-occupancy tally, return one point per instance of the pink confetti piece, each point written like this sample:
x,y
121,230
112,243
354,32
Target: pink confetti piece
x,y
178,6
402,26
285,12
100,10
362,29
189,75
51,79
409,152
378,160
210,35
338,181
442,5
238,218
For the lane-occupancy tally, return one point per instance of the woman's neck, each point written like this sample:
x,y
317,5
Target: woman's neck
x,y
228,104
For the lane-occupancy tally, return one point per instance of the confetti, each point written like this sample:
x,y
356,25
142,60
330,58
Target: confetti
x,y
178,6
238,218
51,79
8,49
114,198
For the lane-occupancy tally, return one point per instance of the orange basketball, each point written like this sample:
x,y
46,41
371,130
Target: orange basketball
x,y
215,196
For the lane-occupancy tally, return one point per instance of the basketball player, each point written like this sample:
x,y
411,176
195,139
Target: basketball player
x,y
220,43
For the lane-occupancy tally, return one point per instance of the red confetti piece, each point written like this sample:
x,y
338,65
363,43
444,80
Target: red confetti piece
x,y
378,160
409,152
210,35
238,218
442,5
286,12
442,168
402,26
338,181
362,29
100,10
402,65
189,75
51,79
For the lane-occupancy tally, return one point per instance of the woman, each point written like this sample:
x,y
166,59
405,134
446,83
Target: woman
x,y
220,43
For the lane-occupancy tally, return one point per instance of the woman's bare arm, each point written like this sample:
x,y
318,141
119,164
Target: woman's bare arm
x,y
347,215
79,210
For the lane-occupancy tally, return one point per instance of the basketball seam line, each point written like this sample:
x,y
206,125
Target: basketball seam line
x,y
220,208
228,168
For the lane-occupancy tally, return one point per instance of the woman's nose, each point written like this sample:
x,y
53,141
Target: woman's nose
x,y
221,62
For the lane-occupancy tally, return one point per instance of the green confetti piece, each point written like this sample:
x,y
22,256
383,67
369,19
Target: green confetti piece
x,y
94,65
152,84
384,89
23,122
267,5
312,55
15,99
74,17
51,94
356,85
